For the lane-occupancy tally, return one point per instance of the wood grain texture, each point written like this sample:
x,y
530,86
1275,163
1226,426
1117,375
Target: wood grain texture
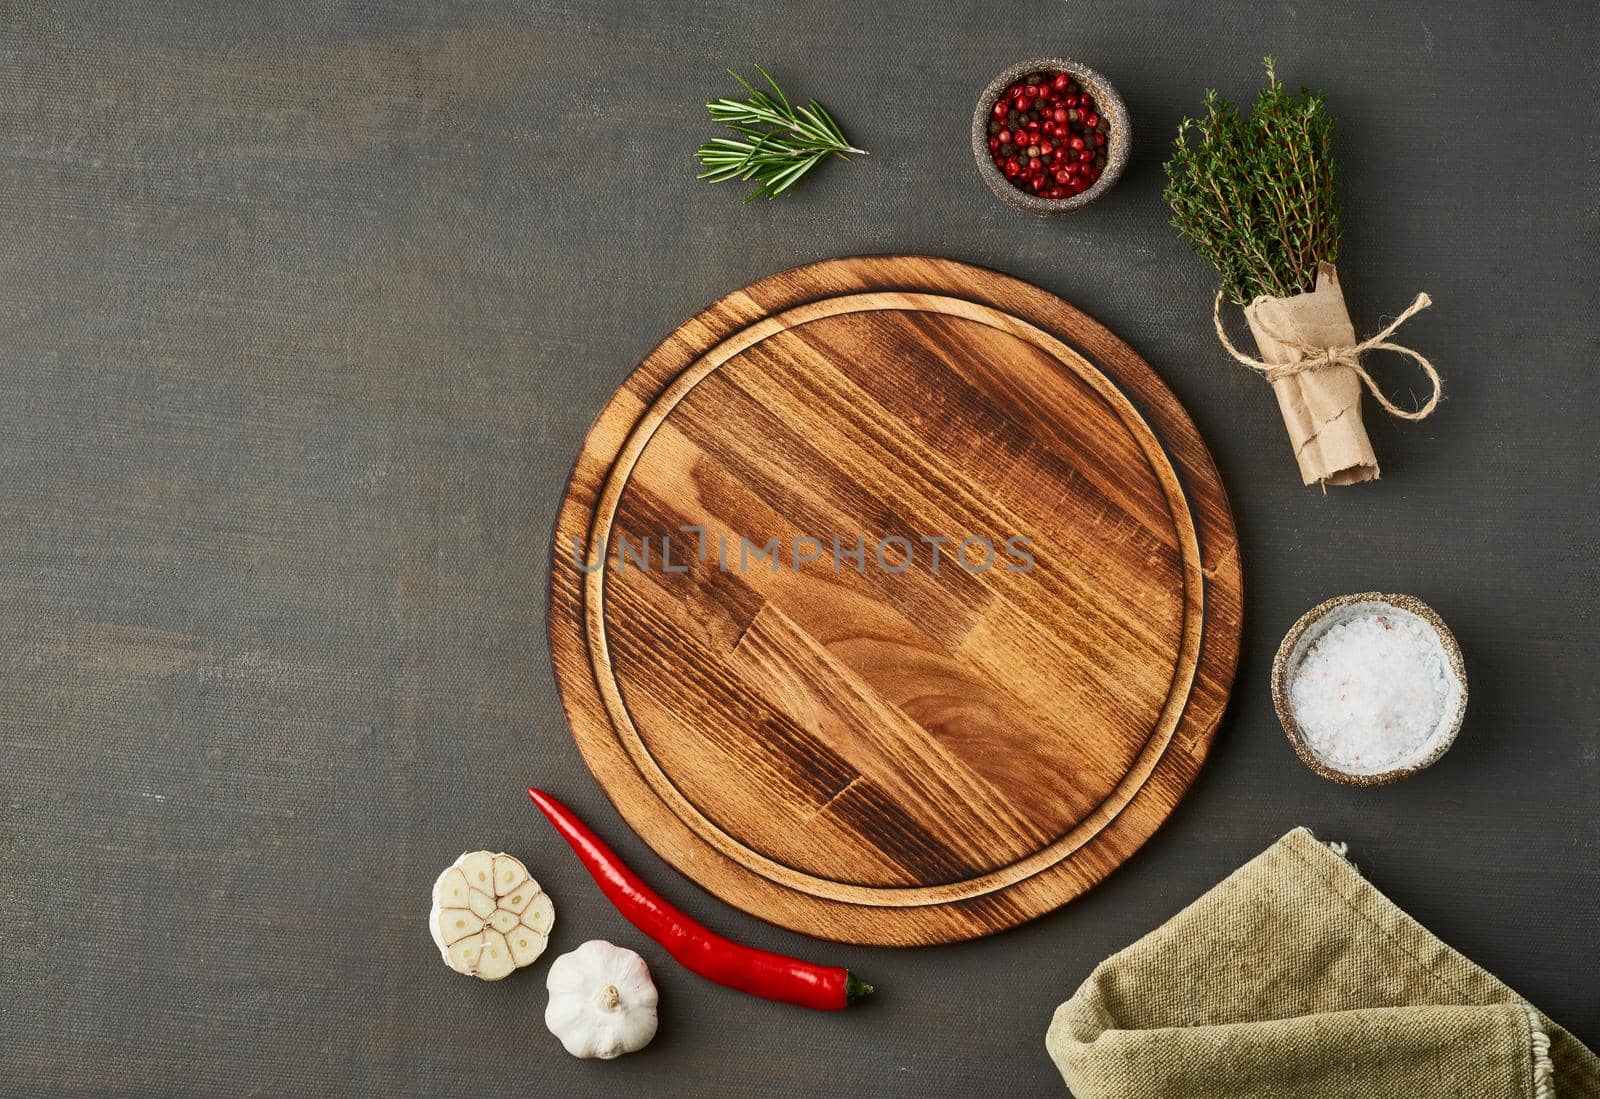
x,y
895,752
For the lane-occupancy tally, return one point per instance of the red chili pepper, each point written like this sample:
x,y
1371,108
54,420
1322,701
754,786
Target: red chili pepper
x,y
758,972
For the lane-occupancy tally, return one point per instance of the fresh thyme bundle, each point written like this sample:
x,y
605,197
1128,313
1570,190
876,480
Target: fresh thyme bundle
x,y
1255,196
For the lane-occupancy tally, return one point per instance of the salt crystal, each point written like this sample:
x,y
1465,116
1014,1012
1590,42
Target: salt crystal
x,y
1370,693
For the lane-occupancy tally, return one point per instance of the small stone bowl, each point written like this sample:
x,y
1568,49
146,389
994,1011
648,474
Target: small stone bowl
x,y
1107,102
1323,617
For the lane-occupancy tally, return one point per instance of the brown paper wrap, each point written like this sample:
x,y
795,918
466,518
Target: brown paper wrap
x,y
1321,408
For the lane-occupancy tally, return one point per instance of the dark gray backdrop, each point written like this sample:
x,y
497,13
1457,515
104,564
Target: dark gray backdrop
x,y
304,310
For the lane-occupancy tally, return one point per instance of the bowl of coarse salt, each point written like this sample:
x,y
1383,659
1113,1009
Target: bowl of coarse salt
x,y
1370,688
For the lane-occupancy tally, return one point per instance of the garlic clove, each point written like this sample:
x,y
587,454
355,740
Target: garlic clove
x,y
520,897
508,874
496,960
482,904
463,955
540,914
450,891
526,944
478,866
456,924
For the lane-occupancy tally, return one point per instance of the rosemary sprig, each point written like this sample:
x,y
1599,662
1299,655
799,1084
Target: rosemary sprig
x,y
778,144
1255,195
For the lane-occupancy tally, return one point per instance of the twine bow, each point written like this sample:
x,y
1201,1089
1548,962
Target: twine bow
x,y
1320,358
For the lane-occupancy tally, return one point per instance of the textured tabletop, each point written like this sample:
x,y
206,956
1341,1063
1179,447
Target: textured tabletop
x,y
304,312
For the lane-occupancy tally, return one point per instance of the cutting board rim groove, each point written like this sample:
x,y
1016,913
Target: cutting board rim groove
x,y
737,317
644,429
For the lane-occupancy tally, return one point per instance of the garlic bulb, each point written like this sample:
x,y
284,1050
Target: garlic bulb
x,y
489,917
602,1001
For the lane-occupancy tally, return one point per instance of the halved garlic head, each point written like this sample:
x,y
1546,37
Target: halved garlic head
x,y
489,916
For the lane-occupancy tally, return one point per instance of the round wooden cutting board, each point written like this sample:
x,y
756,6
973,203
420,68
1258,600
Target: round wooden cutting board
x,y
894,600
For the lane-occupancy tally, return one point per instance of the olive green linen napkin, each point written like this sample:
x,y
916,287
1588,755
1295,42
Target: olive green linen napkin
x,y
1296,979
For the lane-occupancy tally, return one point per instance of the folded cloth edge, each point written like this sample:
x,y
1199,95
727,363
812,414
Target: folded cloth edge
x,y
1545,1035
1552,1054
